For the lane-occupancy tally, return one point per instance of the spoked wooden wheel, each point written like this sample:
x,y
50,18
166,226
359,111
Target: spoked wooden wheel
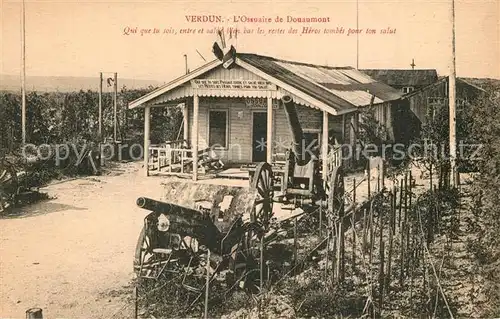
x,y
143,251
247,264
149,263
262,182
335,191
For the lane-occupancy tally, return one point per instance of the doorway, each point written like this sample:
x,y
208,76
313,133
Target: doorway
x,y
259,135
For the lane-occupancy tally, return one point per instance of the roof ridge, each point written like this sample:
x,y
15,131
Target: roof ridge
x,y
295,62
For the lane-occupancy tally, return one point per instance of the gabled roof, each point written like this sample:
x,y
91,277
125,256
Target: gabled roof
x,y
326,83
336,90
441,80
402,77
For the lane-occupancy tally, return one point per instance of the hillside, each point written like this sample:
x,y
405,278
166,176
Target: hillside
x,y
67,83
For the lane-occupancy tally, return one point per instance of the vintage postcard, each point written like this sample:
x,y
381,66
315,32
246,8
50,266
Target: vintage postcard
x,y
249,159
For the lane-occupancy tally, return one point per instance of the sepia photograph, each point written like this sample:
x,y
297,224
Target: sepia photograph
x,y
243,159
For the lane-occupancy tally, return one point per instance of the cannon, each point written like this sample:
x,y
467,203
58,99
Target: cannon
x,y
228,224
299,181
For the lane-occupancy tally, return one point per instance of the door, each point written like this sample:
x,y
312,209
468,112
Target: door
x,y
259,135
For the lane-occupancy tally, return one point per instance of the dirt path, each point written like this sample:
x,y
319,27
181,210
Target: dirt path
x,y
72,255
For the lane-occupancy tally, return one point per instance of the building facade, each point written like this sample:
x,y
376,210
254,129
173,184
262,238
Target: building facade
x,y
234,111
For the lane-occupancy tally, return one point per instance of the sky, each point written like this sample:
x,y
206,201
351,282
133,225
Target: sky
x,y
83,38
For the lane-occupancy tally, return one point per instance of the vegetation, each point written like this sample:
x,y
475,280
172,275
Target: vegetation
x,y
485,118
55,117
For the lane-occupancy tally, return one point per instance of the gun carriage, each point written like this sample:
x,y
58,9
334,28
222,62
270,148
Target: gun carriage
x,y
232,224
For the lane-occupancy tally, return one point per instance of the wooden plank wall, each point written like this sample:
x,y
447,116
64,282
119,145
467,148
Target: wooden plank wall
x,y
240,129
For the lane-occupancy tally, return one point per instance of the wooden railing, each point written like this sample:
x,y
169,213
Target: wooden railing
x,y
176,158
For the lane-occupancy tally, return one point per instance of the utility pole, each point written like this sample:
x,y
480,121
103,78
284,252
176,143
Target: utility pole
x,y
186,63
23,73
357,34
452,103
115,106
100,106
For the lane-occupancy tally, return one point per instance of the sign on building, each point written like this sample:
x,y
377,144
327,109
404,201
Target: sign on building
x,y
259,85
259,103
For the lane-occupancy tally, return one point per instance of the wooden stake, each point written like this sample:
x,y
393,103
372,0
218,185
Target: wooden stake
x,y
100,108
353,227
369,181
136,302
381,280
261,263
391,235
207,285
294,242
339,252
371,233
334,257
320,219
365,224
327,255
400,202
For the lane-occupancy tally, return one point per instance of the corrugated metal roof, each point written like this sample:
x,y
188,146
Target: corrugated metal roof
x,y
394,77
341,87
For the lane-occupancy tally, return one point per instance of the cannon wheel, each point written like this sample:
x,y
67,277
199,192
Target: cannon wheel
x,y
335,190
248,262
262,182
142,251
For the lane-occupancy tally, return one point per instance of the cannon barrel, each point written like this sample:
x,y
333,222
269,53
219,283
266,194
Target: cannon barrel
x,y
301,158
154,205
186,221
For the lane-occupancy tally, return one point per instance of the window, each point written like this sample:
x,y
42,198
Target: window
x,y
218,125
408,89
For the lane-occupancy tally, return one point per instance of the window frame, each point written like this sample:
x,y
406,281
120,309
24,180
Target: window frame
x,y
226,111
408,89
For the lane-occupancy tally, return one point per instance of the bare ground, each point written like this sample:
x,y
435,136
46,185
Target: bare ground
x,y
72,255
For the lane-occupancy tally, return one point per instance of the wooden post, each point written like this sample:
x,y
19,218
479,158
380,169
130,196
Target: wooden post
x,y
136,302
400,201
327,254
269,137
334,257
23,73
381,280
185,115
295,241
324,146
369,180
430,176
261,263
100,108
207,284
391,235
365,228
371,232
147,128
34,313
353,226
194,137
115,107
320,219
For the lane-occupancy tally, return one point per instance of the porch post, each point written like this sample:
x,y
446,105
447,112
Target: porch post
x,y
195,135
343,128
324,145
147,124
185,116
354,137
270,126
